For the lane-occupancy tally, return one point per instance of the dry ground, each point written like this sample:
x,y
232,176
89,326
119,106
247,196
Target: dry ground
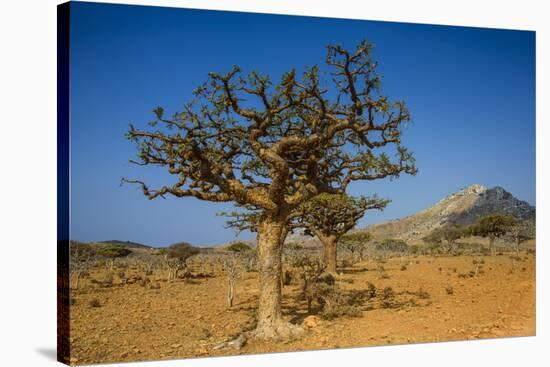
x,y
187,318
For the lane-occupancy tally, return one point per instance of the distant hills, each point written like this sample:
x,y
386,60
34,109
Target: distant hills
x,y
463,207
128,244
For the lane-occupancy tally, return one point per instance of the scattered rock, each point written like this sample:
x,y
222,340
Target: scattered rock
x,y
311,322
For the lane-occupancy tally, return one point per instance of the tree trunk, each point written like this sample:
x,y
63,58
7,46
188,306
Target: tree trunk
x,y
330,252
492,245
271,233
230,292
77,280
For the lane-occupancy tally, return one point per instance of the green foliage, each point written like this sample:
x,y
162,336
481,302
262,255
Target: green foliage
x,y
332,214
523,231
355,242
357,237
238,247
448,232
113,251
266,145
492,226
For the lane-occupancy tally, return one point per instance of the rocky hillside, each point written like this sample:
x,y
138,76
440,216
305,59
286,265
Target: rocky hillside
x,y
462,207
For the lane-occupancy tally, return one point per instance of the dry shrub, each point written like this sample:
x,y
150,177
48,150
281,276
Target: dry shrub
x,y
387,298
371,290
108,280
94,302
336,303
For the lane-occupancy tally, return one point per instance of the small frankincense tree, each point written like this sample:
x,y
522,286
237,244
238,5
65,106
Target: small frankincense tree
x,y
493,226
273,146
111,252
355,243
449,232
81,258
330,216
521,232
232,266
176,258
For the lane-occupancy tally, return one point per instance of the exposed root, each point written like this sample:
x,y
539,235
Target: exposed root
x,y
276,332
279,332
237,343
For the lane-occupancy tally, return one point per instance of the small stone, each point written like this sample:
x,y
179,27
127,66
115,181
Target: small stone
x,y
311,322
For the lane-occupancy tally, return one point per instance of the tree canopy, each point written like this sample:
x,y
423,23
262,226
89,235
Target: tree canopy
x,y
493,226
181,251
113,251
333,215
239,247
272,145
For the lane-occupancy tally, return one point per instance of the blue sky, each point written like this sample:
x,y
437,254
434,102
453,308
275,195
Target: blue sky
x,y
471,93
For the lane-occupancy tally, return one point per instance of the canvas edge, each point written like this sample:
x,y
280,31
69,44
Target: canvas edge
x,y
63,172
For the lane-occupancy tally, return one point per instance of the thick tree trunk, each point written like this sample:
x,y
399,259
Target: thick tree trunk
x,y
271,233
330,244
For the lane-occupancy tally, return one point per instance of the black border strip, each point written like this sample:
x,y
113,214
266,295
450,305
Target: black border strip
x,y
63,172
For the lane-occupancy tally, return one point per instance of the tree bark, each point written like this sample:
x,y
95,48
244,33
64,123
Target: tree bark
x,y
271,234
330,244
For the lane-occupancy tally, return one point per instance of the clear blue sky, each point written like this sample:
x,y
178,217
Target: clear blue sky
x,y
471,93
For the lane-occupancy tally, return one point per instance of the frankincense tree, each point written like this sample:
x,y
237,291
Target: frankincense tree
x,y
272,146
330,216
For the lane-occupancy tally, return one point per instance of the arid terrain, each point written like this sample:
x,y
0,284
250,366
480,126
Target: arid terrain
x,y
413,299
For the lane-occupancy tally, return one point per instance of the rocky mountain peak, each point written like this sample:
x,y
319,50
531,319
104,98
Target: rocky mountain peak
x,y
462,207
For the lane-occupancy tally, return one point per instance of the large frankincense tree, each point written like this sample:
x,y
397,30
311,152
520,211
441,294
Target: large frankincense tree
x,y
273,146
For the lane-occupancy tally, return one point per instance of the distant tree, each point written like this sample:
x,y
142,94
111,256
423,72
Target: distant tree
x,y
272,147
177,256
392,245
355,243
239,247
521,232
81,257
146,261
232,266
111,252
449,232
493,226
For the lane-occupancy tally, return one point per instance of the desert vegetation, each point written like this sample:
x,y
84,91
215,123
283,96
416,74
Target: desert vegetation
x,y
284,153
467,293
